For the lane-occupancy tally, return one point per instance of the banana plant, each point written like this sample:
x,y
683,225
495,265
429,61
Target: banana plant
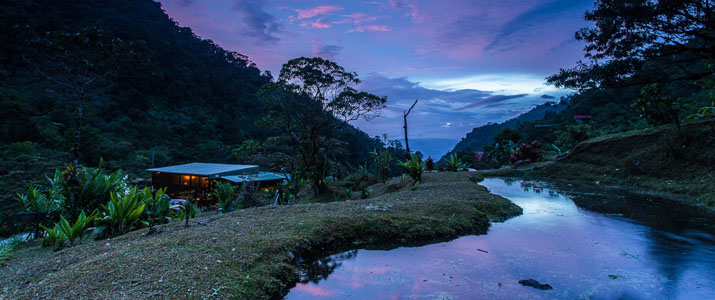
x,y
122,213
414,167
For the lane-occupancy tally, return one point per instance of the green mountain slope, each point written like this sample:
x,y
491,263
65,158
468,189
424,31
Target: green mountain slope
x,y
484,135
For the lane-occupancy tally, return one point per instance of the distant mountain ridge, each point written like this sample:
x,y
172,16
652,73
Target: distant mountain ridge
x,y
431,147
484,135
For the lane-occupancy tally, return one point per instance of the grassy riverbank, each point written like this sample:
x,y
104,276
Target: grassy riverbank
x,y
251,254
654,161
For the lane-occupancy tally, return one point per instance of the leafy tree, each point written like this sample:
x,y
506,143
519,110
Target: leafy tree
x,y
508,135
658,107
76,63
247,148
382,160
633,37
311,100
429,164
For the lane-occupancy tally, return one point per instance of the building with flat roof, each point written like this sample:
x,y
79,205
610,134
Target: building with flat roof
x,y
180,180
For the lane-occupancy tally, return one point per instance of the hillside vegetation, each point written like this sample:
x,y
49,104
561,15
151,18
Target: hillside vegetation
x,y
182,99
654,160
483,136
252,253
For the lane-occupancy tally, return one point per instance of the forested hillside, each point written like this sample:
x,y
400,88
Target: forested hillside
x,y
179,99
484,135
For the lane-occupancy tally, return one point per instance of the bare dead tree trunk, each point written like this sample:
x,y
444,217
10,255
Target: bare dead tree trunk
x,y
404,117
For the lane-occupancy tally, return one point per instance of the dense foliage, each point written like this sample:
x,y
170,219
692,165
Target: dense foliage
x,y
483,136
175,99
649,63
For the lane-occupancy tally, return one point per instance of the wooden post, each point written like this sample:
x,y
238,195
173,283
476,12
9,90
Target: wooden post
x,y
404,117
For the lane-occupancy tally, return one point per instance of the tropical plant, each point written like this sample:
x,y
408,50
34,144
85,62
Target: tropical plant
x,y
382,160
122,213
187,210
36,201
224,193
703,112
53,236
555,151
87,189
79,229
414,167
285,197
157,207
455,164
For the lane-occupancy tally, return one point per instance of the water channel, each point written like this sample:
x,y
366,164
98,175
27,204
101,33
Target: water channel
x,y
584,245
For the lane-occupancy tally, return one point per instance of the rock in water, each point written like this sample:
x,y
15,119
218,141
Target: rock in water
x,y
535,284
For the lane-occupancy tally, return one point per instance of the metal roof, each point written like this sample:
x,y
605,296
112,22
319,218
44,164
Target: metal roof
x,y
261,176
207,169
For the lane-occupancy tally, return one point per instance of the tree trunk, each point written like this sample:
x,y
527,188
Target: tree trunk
x,y
404,117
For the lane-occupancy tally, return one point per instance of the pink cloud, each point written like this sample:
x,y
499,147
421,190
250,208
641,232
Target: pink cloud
x,y
318,10
314,290
319,23
410,6
356,18
363,28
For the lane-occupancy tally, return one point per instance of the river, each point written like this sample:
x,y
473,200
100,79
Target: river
x,y
581,253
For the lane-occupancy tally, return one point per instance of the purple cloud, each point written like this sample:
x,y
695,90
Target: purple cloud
x,y
261,25
326,51
490,101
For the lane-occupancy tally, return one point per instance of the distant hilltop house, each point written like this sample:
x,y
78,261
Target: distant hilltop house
x,y
201,178
581,118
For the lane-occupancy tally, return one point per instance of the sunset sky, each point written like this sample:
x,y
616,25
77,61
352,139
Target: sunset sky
x,y
469,62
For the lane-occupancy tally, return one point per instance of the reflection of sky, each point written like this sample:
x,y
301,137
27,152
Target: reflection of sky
x,y
554,242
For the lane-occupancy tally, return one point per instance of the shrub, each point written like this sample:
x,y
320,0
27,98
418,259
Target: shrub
x,y
53,236
224,193
157,207
454,163
6,248
499,153
87,188
122,213
79,229
414,167
526,152
64,231
36,201
382,160
429,164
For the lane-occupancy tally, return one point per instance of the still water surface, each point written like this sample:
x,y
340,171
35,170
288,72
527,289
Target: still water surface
x,y
582,254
